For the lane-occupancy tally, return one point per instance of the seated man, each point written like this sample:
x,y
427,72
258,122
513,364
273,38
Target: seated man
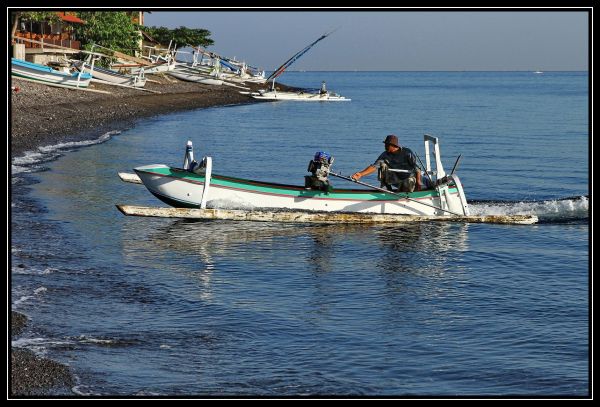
x,y
397,167
323,90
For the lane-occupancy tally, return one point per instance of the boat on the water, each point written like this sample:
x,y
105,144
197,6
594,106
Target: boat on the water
x,y
45,74
181,188
194,185
322,95
193,191
300,96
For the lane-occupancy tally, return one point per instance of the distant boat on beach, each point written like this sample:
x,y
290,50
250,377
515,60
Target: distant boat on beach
x,y
194,77
44,74
108,75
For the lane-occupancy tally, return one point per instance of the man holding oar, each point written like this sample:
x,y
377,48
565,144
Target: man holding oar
x,y
397,167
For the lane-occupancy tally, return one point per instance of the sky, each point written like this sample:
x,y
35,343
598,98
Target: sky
x,y
398,40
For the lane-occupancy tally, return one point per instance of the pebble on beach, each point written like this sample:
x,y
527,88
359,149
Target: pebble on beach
x,y
31,375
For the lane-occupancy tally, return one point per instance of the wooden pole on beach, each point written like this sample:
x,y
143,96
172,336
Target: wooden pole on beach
x,y
123,86
65,86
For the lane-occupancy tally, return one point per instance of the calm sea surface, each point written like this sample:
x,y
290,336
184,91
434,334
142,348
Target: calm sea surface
x,y
146,306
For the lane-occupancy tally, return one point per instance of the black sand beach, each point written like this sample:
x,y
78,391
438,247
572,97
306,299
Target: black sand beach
x,y
31,375
41,115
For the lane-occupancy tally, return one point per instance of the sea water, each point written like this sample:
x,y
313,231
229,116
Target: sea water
x,y
166,307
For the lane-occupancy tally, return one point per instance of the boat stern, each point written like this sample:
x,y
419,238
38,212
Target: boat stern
x,y
459,202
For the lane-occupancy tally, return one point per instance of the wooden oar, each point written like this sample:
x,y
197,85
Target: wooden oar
x,y
405,196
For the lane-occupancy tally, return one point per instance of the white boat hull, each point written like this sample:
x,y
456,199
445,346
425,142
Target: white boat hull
x,y
153,69
115,77
300,96
180,188
192,77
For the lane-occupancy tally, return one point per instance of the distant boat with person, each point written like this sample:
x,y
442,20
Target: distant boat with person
x,y
274,94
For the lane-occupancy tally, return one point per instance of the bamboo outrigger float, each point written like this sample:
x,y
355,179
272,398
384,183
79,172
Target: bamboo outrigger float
x,y
189,190
314,217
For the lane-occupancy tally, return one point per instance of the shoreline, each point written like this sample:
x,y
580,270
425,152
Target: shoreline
x,y
42,115
32,375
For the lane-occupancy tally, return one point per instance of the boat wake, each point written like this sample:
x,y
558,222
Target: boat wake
x,y
565,210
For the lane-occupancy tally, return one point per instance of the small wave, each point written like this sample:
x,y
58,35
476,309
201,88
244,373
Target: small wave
x,y
96,341
33,271
83,390
102,341
21,300
30,160
40,346
40,290
76,144
26,296
571,209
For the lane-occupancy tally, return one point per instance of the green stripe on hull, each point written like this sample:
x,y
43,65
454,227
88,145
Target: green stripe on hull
x,y
289,190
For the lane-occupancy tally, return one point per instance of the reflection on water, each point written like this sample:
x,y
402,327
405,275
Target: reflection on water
x,y
199,249
421,247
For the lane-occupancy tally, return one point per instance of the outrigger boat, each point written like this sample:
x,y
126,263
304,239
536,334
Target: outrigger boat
x,y
300,96
108,75
49,76
273,94
194,77
194,191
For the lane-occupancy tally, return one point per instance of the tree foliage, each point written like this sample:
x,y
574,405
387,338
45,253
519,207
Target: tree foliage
x,y
33,17
38,16
115,30
110,29
180,37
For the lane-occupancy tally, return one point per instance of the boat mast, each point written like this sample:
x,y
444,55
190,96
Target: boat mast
x,y
294,57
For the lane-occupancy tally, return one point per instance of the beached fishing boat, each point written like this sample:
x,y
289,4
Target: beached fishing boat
x,y
47,75
108,75
197,77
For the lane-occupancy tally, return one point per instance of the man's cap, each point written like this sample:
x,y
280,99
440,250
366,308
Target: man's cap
x,y
393,140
